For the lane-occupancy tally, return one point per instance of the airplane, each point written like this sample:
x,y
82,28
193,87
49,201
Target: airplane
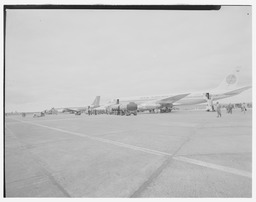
x,y
79,110
36,115
131,105
51,111
165,103
227,88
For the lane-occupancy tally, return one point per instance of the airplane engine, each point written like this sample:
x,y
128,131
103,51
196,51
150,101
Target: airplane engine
x,y
129,107
132,106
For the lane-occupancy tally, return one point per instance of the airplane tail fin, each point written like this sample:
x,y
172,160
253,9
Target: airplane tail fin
x,y
230,81
96,101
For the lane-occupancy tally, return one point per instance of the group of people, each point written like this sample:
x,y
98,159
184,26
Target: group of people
x,y
229,108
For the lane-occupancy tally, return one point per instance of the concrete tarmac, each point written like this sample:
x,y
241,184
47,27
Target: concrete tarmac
x,y
179,154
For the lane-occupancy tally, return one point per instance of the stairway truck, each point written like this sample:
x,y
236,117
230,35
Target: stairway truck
x,y
209,100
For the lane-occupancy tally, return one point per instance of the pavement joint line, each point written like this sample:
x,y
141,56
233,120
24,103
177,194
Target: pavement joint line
x,y
157,172
155,152
154,175
44,169
214,154
214,166
103,140
28,179
68,119
177,124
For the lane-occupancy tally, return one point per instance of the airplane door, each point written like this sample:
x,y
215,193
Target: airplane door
x,y
207,95
209,100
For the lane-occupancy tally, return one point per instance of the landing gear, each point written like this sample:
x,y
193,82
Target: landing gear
x,y
165,110
127,113
78,113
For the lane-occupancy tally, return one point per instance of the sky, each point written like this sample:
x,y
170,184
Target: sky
x,y
64,58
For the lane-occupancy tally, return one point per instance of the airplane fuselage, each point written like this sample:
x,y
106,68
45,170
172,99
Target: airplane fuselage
x,y
190,99
141,99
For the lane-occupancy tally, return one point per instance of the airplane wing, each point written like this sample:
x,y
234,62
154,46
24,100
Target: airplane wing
x,y
100,108
69,110
73,110
171,99
166,102
238,90
231,93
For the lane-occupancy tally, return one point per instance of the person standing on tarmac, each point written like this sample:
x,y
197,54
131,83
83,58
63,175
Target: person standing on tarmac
x,y
89,110
244,108
218,110
230,108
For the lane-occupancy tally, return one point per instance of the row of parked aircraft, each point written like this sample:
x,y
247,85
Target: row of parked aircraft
x,y
165,103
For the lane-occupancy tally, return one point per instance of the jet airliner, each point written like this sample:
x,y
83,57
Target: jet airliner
x,y
165,103
79,110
